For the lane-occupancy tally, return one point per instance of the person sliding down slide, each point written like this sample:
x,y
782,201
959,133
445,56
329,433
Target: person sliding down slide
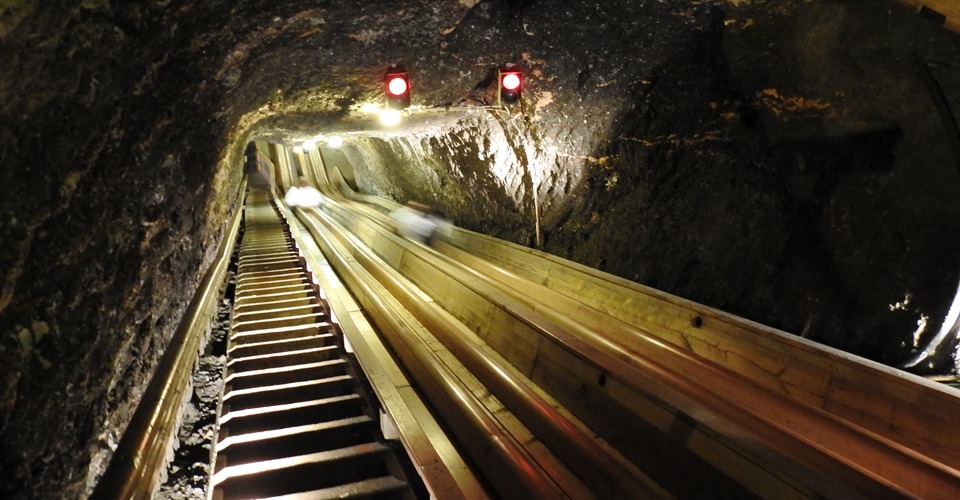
x,y
303,195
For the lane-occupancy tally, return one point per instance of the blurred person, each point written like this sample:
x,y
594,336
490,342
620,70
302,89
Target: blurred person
x,y
418,222
303,195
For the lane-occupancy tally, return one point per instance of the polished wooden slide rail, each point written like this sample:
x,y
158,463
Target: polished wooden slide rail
x,y
858,439
903,407
604,471
594,464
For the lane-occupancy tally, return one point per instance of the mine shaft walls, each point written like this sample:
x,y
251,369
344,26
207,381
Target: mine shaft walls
x,y
812,200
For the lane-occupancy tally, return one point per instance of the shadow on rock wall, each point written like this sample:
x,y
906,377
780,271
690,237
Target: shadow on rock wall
x,y
808,230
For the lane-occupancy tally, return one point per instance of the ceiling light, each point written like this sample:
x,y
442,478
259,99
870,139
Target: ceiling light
x,y
389,117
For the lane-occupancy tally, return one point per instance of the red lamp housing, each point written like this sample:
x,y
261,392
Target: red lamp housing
x,y
511,84
396,86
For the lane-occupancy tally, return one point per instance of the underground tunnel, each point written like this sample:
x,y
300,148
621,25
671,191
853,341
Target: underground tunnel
x,y
795,163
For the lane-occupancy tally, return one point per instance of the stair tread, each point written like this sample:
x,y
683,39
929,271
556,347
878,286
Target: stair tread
x,y
385,484
293,385
287,431
359,450
229,415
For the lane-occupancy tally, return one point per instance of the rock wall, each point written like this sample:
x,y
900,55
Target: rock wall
x,y
781,162
472,173
111,214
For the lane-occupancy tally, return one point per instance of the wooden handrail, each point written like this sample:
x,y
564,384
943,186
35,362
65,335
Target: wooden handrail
x,y
137,464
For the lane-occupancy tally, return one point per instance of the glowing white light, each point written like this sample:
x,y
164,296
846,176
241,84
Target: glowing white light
x,y
370,108
309,145
511,81
950,324
335,141
297,149
397,86
389,117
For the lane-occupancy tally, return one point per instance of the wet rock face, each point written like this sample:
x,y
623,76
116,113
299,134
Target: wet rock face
x,y
866,170
780,160
471,172
784,162
107,221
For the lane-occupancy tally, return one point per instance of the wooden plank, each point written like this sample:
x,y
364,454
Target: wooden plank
x,y
850,387
559,371
439,462
503,320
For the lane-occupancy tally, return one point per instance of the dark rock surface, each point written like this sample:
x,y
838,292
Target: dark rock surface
x,y
188,475
783,160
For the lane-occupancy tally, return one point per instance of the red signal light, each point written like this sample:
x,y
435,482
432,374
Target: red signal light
x,y
396,87
511,83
